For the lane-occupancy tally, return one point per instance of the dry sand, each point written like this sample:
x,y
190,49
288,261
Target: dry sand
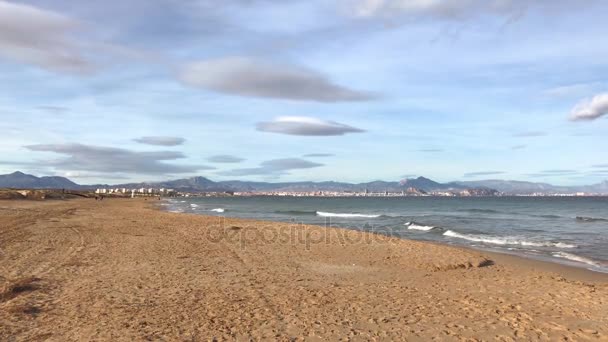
x,y
120,270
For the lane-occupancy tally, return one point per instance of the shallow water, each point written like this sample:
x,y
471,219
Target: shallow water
x,y
570,230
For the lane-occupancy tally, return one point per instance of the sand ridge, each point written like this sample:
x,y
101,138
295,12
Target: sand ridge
x,y
121,270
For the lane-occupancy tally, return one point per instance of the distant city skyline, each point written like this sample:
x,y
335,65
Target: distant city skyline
x,y
351,90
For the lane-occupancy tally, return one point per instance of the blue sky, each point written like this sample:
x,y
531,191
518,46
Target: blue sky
x,y
349,90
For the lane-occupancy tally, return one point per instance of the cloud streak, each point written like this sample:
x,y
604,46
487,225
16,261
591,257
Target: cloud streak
x,y
160,141
224,158
305,126
590,109
273,167
101,159
318,155
254,78
483,173
450,10
530,134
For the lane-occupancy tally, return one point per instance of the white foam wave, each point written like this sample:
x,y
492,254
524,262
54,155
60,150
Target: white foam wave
x,y
218,210
505,240
347,215
176,211
575,257
564,245
412,225
194,205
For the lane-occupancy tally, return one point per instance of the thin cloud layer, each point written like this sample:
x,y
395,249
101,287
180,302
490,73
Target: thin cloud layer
x,y
160,141
35,36
430,150
449,9
483,173
248,77
306,126
101,159
590,109
224,158
530,134
318,155
273,167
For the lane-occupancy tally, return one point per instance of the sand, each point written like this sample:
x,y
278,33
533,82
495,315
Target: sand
x,y
121,270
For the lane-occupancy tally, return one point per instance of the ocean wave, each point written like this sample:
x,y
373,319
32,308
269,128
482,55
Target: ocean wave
x,y
485,211
574,257
295,212
194,205
590,219
345,215
548,216
505,240
218,210
416,226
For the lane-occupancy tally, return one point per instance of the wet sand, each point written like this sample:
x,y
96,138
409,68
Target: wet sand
x,y
121,270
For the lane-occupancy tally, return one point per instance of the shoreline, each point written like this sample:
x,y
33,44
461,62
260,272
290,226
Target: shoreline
x,y
121,269
556,264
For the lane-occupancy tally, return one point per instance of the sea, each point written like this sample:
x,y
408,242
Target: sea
x,y
567,230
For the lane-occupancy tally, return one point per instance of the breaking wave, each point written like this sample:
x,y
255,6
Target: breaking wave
x,y
416,226
345,215
505,240
574,257
591,219
218,210
194,205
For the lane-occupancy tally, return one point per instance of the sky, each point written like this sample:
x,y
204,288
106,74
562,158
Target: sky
x,y
305,90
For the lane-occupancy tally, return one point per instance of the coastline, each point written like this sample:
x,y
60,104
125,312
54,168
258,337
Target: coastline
x,y
557,264
578,273
122,269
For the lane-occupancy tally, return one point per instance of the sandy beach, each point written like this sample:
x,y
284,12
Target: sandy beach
x,y
122,270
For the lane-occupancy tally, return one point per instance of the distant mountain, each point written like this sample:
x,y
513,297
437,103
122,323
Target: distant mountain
x,y
413,186
430,185
22,180
526,188
199,184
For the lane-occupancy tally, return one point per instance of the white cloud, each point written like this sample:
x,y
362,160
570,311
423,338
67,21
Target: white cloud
x,y
301,125
35,36
590,109
249,77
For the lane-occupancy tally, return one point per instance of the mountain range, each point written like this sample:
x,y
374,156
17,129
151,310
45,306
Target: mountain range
x,y
25,181
202,184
